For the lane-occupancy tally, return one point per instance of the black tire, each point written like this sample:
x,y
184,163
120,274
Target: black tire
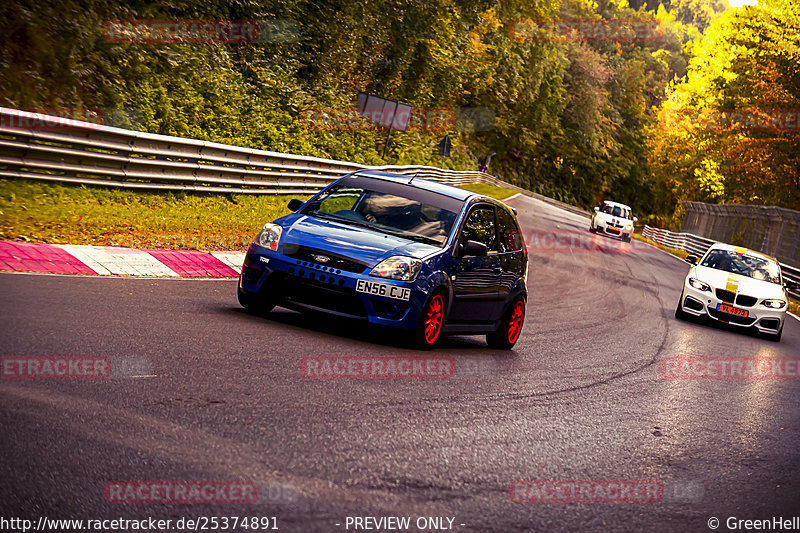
x,y
680,314
626,239
591,228
253,304
428,334
508,333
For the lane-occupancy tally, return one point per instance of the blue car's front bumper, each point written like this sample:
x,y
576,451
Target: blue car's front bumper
x,y
306,285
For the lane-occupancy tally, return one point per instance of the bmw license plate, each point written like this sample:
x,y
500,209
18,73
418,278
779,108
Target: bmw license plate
x,y
731,310
382,289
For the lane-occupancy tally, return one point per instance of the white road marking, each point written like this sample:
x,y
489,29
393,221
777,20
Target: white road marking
x,y
107,260
232,259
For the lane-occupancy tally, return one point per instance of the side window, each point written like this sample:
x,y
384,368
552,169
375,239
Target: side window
x,y
480,227
508,231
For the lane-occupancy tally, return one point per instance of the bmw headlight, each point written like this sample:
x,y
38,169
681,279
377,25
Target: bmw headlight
x,y
269,236
774,304
397,267
699,285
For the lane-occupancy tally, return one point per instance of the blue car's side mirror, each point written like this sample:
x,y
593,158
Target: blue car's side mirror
x,y
295,204
473,248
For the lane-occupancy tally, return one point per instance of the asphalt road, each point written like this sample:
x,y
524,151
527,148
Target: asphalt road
x,y
211,393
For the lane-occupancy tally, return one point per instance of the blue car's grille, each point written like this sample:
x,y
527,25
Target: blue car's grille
x,y
312,255
323,294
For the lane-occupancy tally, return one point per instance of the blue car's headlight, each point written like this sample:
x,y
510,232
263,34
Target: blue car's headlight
x,y
397,267
269,236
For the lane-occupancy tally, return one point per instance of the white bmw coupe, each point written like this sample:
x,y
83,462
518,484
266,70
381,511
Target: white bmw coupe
x,y
736,286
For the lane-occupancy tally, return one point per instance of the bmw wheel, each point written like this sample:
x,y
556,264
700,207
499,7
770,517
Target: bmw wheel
x,y
510,328
680,314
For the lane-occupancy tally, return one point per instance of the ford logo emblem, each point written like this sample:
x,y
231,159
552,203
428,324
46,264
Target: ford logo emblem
x,y
320,258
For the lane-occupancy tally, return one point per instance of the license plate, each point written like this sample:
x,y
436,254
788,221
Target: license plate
x,y
613,230
382,289
725,308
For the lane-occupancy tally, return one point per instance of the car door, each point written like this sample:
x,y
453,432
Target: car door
x,y
476,284
514,257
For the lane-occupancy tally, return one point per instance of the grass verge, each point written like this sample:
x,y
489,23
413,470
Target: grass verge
x,y
34,211
62,214
680,254
499,193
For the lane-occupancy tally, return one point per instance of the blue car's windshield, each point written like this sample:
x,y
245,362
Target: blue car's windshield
x,y
388,207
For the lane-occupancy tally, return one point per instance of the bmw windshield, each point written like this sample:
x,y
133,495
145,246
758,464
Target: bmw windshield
x,y
388,207
616,211
745,265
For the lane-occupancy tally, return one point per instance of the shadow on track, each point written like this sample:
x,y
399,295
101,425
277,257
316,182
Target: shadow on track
x,y
359,331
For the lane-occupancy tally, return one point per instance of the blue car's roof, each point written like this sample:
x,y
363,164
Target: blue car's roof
x,y
440,188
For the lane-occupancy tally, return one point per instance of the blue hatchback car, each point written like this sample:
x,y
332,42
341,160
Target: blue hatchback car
x,y
398,252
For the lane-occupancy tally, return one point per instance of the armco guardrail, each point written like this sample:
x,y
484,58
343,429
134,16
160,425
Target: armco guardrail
x,y
698,246
773,230
44,147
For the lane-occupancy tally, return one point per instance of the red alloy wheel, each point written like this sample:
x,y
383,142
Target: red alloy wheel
x,y
434,315
515,322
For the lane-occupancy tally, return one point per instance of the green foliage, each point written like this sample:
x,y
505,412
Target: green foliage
x,y
576,118
709,143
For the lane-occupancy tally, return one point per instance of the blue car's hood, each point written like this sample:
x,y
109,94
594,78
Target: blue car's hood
x,y
350,241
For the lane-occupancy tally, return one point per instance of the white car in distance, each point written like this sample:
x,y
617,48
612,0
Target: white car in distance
x,y
613,218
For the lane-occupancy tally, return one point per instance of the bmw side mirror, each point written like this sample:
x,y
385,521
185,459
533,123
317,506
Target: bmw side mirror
x,y
473,248
295,204
791,285
691,259
596,209
635,219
